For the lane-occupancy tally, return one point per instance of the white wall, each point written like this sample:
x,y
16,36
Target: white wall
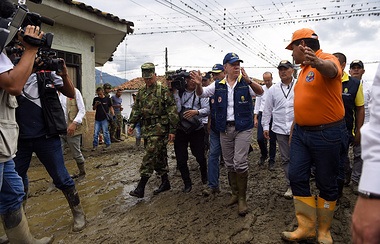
x,y
126,95
80,42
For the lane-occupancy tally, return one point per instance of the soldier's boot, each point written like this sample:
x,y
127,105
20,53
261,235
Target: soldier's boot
x,y
79,218
17,229
140,189
242,179
232,179
305,208
325,214
165,185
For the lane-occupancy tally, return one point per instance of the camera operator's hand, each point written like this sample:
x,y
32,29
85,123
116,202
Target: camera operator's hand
x,y
190,113
13,81
34,32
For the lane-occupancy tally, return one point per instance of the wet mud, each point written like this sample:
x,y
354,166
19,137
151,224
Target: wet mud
x,y
170,217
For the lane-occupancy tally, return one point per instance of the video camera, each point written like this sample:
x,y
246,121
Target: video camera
x,y
178,80
15,18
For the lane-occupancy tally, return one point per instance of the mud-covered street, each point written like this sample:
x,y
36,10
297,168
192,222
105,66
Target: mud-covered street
x,y
170,217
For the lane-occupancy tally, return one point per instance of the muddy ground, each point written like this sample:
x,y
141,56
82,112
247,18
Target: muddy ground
x,y
171,217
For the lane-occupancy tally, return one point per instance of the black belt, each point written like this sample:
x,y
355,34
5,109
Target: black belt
x,y
230,123
322,127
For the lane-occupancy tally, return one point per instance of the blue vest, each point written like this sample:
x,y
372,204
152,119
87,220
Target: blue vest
x,y
243,105
349,90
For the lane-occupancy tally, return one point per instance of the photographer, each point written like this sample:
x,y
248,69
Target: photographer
x,y
41,120
12,80
192,109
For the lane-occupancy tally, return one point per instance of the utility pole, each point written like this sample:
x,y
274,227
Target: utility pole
x,y
166,59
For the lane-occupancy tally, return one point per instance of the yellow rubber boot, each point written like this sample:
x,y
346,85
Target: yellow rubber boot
x,y
325,215
232,178
305,208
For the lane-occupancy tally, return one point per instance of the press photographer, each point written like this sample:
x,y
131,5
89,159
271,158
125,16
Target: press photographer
x,y
41,119
191,109
12,81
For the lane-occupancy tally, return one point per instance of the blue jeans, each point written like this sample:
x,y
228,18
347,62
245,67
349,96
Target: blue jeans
x,y
103,125
49,152
12,189
323,148
213,159
138,130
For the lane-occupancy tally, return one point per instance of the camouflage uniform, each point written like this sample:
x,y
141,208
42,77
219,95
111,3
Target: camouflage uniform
x,y
157,111
112,125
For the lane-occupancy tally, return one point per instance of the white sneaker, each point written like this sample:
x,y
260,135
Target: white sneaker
x,y
288,194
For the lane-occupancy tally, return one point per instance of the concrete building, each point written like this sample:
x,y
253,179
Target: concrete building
x,y
86,38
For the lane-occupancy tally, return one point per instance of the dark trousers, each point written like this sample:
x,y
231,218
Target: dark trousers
x,y
263,142
197,146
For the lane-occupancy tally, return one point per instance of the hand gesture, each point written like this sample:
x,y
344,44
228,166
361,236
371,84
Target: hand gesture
x,y
245,75
310,57
196,77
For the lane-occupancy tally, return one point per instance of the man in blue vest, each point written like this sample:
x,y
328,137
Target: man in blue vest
x,y
353,100
234,122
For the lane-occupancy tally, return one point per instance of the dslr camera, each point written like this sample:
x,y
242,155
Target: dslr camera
x,y
178,79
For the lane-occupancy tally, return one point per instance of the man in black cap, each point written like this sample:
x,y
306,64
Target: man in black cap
x,y
356,71
353,100
279,108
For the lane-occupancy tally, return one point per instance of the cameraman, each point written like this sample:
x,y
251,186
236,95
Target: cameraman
x,y
190,106
12,80
41,120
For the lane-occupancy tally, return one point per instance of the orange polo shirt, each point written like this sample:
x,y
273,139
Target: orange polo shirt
x,y
318,99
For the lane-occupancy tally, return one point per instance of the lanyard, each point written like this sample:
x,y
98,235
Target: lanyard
x,y
289,89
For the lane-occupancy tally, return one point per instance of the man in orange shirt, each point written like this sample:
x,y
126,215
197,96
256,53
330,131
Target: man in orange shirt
x,y
318,136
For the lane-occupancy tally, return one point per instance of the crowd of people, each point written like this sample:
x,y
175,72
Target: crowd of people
x,y
313,117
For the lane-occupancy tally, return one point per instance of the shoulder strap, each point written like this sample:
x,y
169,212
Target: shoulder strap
x,y
159,95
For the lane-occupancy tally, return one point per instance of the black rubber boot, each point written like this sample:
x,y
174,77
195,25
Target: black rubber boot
x,y
79,218
165,185
139,191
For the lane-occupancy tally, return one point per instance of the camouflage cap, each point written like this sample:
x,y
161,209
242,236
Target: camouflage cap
x,y
169,73
147,70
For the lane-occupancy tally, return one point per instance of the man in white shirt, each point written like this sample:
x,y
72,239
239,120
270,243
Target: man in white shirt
x,y
75,112
366,216
258,114
279,106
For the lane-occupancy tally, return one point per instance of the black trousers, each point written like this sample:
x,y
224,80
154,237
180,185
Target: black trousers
x,y
197,146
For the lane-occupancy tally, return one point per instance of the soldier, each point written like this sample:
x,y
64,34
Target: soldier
x,y
156,110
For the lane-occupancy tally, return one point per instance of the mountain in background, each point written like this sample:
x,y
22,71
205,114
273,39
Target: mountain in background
x,y
102,78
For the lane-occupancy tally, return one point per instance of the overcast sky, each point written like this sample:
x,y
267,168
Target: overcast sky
x,y
199,33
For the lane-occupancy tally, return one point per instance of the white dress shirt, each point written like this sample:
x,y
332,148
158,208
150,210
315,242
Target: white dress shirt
x,y
279,105
367,87
260,101
370,142
209,90
81,109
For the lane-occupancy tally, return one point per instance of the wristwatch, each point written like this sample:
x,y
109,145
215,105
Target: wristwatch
x,y
369,195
